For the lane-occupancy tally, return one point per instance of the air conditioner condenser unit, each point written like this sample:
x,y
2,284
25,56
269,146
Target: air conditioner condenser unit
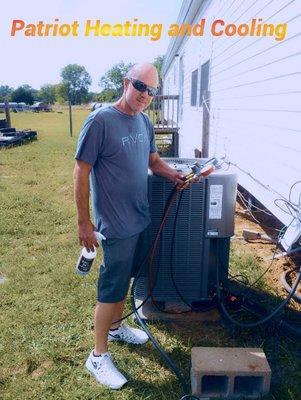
x,y
189,255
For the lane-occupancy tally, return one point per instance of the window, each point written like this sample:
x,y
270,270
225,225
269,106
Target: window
x,y
204,80
194,86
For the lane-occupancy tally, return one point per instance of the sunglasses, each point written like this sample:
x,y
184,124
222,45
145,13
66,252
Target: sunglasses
x,y
142,87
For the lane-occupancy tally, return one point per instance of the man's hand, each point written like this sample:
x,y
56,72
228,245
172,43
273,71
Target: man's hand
x,y
86,235
178,180
160,167
182,184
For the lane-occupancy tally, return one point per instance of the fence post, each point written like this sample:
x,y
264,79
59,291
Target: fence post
x,y
7,114
70,118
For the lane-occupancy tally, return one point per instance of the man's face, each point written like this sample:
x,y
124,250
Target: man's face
x,y
137,100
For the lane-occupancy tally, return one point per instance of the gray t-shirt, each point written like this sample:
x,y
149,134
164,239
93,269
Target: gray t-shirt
x,y
117,146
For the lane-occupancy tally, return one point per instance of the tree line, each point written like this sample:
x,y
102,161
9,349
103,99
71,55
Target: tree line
x,y
74,86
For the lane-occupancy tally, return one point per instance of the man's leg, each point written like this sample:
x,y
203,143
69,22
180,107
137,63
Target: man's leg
x,y
144,241
99,362
114,278
113,284
104,315
118,312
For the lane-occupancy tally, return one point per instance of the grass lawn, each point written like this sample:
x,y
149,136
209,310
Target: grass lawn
x,y
46,310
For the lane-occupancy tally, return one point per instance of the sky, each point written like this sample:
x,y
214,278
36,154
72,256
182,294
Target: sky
x,y
38,60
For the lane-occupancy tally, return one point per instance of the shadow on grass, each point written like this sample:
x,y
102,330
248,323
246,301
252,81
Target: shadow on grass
x,y
170,390
282,349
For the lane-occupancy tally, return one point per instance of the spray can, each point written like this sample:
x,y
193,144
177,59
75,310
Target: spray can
x,y
86,258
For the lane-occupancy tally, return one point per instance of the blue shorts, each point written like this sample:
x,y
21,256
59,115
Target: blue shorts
x,y
121,258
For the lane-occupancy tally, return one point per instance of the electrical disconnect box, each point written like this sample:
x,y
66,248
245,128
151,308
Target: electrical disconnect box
x,y
191,250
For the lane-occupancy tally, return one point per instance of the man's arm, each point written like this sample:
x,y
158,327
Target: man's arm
x,y
160,167
81,193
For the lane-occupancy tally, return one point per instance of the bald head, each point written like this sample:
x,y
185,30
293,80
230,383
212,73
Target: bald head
x,y
145,72
137,98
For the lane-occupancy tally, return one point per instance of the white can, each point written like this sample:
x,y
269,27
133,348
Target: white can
x,y
85,261
86,258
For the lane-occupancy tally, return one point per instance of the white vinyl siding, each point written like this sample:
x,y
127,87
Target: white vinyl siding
x,y
255,97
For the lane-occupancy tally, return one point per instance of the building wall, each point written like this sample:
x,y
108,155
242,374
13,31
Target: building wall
x,y
255,97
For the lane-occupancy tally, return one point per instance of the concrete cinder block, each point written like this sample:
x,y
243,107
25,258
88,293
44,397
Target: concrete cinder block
x,y
229,373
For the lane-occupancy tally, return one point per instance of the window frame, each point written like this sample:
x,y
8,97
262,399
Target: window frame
x,y
204,81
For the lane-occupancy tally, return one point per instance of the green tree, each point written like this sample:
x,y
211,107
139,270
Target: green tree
x,y
88,98
94,96
5,93
47,93
33,91
61,92
24,93
113,79
158,62
76,81
107,95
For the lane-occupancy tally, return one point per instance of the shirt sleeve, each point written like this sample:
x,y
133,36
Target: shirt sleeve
x,y
90,141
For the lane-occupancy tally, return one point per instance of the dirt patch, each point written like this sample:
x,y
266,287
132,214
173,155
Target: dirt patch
x,y
264,250
42,369
20,369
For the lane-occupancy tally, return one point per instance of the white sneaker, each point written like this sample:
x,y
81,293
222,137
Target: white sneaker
x,y
104,370
128,334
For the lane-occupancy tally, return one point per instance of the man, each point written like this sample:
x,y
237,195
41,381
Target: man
x,y
116,147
